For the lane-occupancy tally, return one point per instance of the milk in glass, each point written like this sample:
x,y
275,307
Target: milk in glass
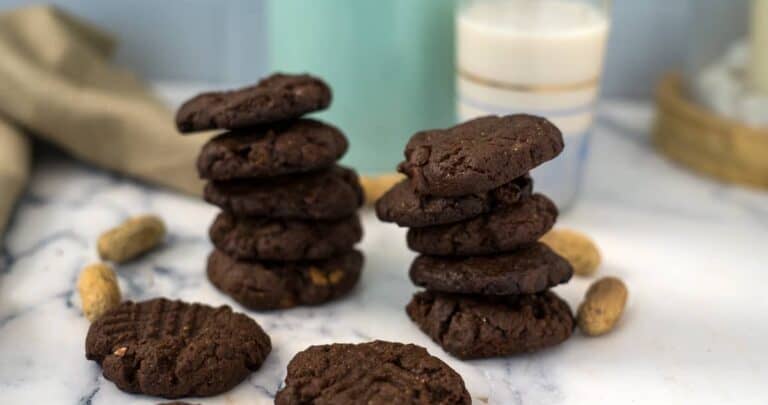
x,y
541,57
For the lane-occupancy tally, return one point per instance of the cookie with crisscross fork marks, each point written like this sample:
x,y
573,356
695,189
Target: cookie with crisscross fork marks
x,y
175,349
372,373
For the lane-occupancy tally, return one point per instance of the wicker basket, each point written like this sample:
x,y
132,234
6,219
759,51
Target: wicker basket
x,y
706,142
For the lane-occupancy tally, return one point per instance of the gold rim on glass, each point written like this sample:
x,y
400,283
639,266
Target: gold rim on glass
x,y
529,88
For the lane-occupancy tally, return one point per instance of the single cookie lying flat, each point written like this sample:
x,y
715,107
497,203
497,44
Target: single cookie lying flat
x,y
370,373
258,238
480,154
272,285
406,207
275,98
265,151
471,327
500,231
174,349
330,194
529,269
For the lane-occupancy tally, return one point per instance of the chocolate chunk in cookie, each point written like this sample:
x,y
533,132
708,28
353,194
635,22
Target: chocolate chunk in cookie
x,y
259,238
480,154
287,147
403,205
500,231
275,98
272,285
529,269
371,373
330,194
471,327
174,349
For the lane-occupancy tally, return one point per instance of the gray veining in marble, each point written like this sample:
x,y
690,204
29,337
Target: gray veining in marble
x,y
691,251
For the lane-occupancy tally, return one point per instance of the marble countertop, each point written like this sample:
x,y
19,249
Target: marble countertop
x,y
690,250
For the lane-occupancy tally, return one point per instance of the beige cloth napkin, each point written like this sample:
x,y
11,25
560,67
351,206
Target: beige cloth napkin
x,y
14,168
57,82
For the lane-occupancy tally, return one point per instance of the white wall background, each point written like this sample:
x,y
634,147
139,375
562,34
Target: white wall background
x,y
224,40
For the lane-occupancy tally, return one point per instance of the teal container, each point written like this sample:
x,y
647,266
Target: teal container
x,y
389,62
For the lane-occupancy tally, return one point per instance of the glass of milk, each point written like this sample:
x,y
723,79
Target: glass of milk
x,y
541,57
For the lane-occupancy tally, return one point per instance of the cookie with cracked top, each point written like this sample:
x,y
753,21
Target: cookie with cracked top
x,y
263,285
329,194
176,349
479,155
274,98
472,327
403,205
499,231
271,150
259,238
526,270
376,372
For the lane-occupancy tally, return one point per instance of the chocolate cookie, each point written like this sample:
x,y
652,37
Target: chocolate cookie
x,y
177,403
174,349
284,239
480,154
287,147
500,231
370,373
275,98
272,285
330,194
471,327
529,269
403,205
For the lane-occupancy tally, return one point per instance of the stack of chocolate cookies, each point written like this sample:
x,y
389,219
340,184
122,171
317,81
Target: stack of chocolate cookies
x,y
289,224
473,217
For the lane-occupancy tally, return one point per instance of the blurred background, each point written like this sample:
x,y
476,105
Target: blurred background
x,y
397,67
226,42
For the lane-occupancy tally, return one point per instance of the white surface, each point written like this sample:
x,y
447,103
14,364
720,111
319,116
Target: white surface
x,y
691,251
